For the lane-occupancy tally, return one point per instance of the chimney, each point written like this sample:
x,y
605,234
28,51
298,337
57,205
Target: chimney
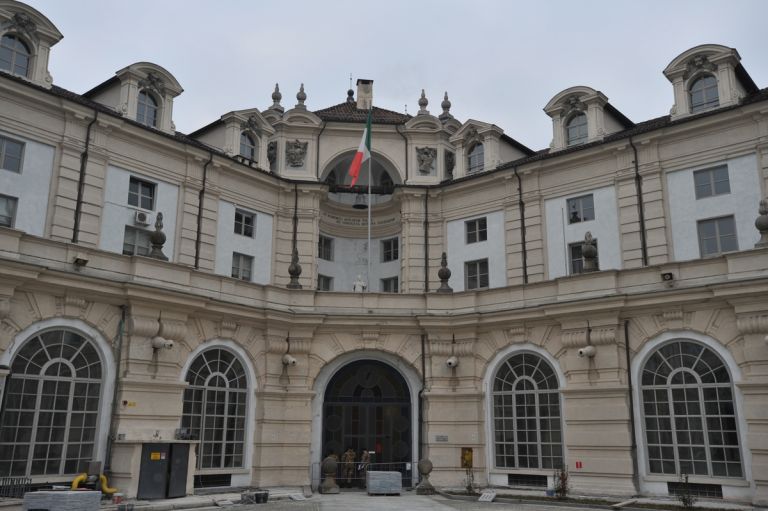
x,y
364,94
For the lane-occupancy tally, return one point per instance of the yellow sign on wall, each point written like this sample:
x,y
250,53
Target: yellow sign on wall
x,y
154,456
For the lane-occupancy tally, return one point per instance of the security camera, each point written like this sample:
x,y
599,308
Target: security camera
x,y
452,362
587,351
288,360
160,343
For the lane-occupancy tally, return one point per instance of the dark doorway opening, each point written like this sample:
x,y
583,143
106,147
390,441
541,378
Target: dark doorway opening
x,y
367,406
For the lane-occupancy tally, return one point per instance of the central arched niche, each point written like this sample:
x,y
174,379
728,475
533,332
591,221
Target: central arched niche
x,y
383,172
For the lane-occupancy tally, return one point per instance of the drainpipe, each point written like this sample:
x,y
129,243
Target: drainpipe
x,y
118,359
200,198
640,206
426,241
521,205
421,395
81,179
633,444
317,150
397,128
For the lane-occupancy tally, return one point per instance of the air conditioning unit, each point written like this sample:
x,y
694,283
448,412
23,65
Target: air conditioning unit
x,y
142,218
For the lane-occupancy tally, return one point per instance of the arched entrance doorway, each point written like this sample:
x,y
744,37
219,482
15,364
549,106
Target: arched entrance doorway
x,y
367,406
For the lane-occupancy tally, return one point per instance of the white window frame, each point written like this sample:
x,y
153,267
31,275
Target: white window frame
x,y
143,108
576,204
390,285
705,104
324,283
248,146
390,250
244,226
139,241
15,53
476,158
479,274
242,266
577,134
4,141
325,248
139,195
13,205
711,181
718,236
476,230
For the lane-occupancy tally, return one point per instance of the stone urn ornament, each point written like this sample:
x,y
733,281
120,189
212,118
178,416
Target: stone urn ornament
x,y
589,253
424,487
328,468
761,223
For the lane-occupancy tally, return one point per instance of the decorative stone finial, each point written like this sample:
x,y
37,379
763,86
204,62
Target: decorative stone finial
x,y
762,224
446,106
350,96
157,239
294,270
425,487
444,274
423,102
328,467
276,97
589,253
301,96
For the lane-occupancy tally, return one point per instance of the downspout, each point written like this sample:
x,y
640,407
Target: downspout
x,y
81,179
640,206
521,205
421,394
633,444
426,241
118,359
200,198
397,128
317,150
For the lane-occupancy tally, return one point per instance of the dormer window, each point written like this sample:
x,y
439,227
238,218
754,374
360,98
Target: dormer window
x,y
14,56
247,146
704,94
475,158
576,130
146,112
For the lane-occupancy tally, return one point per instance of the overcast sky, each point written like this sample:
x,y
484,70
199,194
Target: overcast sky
x,y
500,61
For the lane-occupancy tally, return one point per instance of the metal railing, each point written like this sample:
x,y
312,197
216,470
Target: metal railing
x,y
352,475
14,487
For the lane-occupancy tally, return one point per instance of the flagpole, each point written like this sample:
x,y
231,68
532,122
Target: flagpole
x,y
370,204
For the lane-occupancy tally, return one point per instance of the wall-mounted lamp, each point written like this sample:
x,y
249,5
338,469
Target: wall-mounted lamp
x,y
80,261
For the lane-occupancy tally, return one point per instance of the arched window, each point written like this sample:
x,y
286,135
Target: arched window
x,y
475,158
526,414
690,420
330,179
704,94
576,130
50,417
146,112
247,146
14,55
214,408
386,180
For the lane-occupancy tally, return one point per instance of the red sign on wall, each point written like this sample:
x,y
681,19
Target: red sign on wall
x,y
579,464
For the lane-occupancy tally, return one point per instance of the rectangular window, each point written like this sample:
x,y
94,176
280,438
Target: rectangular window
x,y
136,241
7,210
325,248
241,266
476,274
390,285
390,250
244,223
324,283
710,182
11,152
141,194
717,236
477,230
577,260
581,209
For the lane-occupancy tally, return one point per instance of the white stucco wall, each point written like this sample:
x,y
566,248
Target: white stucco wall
x,y
117,213
604,228
350,258
685,210
459,252
30,186
259,247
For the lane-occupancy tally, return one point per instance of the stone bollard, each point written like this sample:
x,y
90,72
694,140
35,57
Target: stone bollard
x,y
425,487
328,468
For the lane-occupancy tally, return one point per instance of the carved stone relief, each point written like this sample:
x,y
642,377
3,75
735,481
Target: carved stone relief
x,y
698,63
252,125
22,23
426,157
272,154
296,153
154,82
450,163
573,104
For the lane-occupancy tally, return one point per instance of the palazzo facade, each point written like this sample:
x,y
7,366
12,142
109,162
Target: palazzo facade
x,y
161,288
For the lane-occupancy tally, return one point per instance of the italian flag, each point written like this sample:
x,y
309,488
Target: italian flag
x,y
363,152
